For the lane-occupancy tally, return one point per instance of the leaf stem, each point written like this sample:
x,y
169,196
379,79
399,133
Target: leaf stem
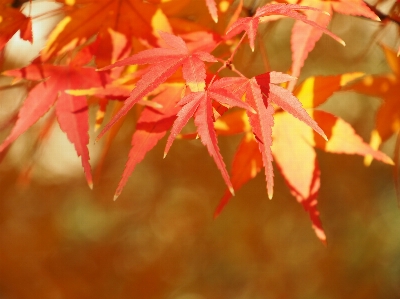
x,y
233,69
237,47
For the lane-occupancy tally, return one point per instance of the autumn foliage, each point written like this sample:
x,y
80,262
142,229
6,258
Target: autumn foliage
x,y
143,56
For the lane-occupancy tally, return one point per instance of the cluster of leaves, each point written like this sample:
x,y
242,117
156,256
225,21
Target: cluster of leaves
x,y
87,57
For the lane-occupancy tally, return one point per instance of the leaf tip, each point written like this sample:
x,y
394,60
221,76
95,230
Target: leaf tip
x,y
165,154
270,190
90,184
342,43
115,196
367,160
326,13
322,134
231,190
320,234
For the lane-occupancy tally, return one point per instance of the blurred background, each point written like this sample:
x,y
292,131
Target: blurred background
x,y
59,239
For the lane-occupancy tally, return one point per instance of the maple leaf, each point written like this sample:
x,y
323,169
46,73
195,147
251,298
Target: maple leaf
x,y
86,18
284,98
304,38
387,88
247,162
151,126
118,88
212,8
262,122
188,16
314,91
199,105
12,20
71,111
299,167
164,63
250,24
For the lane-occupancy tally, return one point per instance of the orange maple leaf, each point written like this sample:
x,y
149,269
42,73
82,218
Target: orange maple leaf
x,y
12,20
87,18
386,87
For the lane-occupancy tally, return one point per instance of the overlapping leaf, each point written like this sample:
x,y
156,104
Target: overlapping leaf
x,y
152,125
247,162
117,27
188,16
387,88
304,38
71,111
250,24
12,20
87,18
199,105
299,167
293,143
164,63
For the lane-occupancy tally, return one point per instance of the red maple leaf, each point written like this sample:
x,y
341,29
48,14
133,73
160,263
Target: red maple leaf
x,y
151,126
71,111
212,8
250,24
199,104
164,63
299,167
261,92
304,38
